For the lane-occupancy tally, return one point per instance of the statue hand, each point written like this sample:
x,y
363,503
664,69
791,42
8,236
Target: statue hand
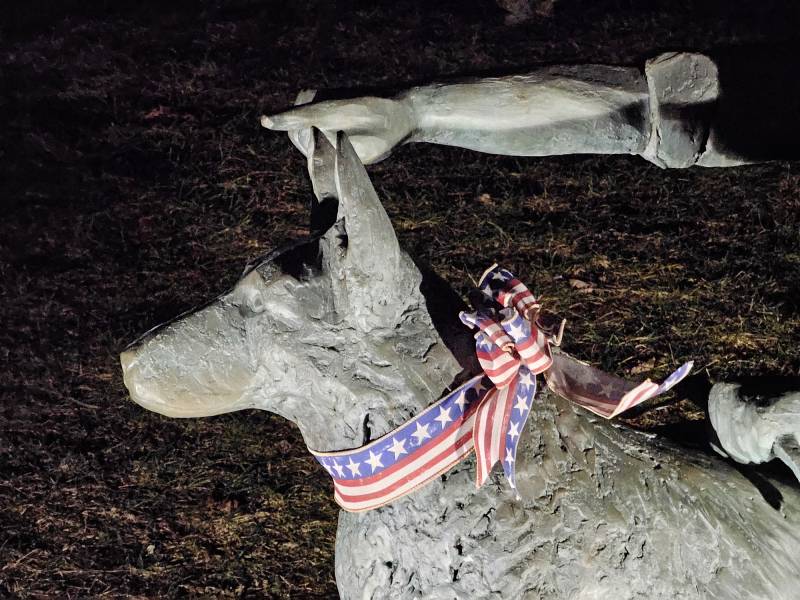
x,y
374,125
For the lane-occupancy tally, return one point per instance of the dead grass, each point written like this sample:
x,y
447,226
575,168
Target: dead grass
x,y
136,182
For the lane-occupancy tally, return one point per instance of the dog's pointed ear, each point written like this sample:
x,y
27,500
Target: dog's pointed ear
x,y
371,280
322,170
372,246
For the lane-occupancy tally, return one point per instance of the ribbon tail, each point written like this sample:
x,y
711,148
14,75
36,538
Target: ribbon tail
x,y
648,389
488,413
520,404
486,277
603,394
494,438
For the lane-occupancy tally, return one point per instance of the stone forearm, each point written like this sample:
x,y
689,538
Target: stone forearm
x,y
682,109
558,110
671,114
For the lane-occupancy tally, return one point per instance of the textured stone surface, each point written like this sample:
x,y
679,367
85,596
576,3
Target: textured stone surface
x,y
606,512
567,109
684,89
343,335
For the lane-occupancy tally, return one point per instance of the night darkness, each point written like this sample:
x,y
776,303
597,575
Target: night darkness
x,y
136,182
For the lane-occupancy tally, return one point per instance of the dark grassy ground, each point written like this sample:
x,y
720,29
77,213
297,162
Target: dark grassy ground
x,y
136,182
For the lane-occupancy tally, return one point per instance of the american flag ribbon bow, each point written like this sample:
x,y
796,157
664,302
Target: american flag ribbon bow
x,y
514,344
512,348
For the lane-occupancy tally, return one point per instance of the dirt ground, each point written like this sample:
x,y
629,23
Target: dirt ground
x,y
136,182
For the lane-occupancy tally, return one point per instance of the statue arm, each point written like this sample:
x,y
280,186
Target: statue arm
x,y
670,114
590,109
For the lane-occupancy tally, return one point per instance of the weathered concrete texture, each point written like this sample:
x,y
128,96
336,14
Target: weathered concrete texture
x,y
606,513
567,109
333,334
564,109
684,89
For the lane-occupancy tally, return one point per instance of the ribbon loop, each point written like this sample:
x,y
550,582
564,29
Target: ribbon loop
x,y
530,343
500,366
489,327
504,288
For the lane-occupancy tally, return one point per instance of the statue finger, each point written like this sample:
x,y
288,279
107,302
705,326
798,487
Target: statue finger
x,y
303,97
290,120
333,115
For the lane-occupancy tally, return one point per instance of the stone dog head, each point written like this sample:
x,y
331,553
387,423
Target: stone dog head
x,y
332,332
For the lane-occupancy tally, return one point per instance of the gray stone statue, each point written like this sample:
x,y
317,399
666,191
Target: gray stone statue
x,y
684,109
342,334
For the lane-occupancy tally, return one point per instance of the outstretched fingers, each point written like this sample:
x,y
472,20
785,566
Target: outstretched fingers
x,y
333,115
294,118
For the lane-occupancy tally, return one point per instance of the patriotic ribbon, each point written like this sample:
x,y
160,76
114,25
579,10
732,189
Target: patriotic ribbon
x,y
512,348
514,344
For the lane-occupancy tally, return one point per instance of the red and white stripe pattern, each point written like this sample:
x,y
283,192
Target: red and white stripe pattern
x,y
511,364
491,423
500,419
490,328
517,337
500,366
530,343
648,389
518,341
601,393
501,285
408,457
